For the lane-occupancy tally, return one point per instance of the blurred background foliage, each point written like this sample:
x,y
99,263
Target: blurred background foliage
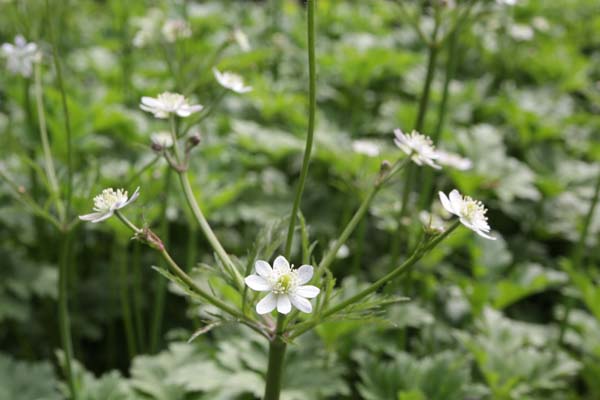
x,y
518,318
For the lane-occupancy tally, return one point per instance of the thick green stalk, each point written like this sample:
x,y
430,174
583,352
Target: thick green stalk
x,y
404,267
275,367
138,295
63,312
312,106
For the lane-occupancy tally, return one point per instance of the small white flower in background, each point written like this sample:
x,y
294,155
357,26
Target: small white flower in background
x,y
241,39
453,160
419,147
521,32
507,2
366,147
161,140
231,81
169,103
149,27
20,56
432,221
540,23
471,212
107,202
286,286
174,29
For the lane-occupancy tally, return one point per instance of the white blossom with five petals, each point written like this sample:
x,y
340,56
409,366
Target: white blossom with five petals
x,y
168,103
470,212
419,147
20,56
286,286
231,81
107,202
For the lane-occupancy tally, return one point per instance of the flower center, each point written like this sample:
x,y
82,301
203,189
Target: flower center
x,y
109,198
473,209
285,283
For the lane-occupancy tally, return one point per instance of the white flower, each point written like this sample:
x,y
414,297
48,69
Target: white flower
x,y
521,32
149,26
471,212
453,160
242,40
507,2
169,103
419,147
107,202
20,56
161,140
366,147
285,284
231,81
174,29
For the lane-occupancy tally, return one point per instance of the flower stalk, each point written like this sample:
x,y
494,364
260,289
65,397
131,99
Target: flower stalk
x,y
312,105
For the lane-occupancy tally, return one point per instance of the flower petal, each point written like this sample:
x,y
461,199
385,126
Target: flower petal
x,y
263,269
446,202
456,200
102,217
305,274
132,198
281,265
484,235
257,283
267,304
308,291
284,305
301,303
91,217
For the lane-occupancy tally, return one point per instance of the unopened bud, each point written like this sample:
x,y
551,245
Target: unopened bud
x,y
194,140
156,147
385,166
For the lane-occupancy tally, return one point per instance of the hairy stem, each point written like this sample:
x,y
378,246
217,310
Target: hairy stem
x,y
312,105
275,367
63,312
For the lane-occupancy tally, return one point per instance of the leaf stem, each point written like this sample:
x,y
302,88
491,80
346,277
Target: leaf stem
x,y
63,312
312,105
275,367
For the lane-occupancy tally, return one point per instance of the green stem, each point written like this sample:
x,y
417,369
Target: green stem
x,y
428,184
65,109
312,106
139,173
382,179
159,303
138,297
185,278
208,232
416,256
120,253
424,100
275,367
63,312
48,161
577,261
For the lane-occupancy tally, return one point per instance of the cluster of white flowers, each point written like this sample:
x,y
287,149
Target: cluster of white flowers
x,y
21,56
470,212
286,286
231,81
168,103
107,202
